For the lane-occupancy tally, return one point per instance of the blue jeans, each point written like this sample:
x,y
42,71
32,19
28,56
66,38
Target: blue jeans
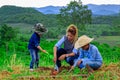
x,y
69,60
93,64
35,58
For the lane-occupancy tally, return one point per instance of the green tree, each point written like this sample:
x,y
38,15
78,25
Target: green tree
x,y
6,34
75,13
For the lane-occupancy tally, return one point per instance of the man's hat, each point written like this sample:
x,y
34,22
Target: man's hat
x,y
82,41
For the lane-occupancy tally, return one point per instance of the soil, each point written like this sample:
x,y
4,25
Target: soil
x,y
112,69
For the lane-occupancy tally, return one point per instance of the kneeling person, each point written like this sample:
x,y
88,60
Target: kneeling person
x,y
90,56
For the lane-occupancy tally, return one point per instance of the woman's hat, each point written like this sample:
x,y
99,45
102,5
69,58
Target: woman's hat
x,y
82,41
39,28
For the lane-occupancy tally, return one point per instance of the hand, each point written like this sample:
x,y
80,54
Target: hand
x,y
79,62
55,59
44,51
72,67
62,57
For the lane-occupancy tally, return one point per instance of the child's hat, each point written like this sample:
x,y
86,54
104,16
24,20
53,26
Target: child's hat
x,y
39,28
82,41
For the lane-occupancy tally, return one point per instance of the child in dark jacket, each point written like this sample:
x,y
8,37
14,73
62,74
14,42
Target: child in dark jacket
x,y
34,44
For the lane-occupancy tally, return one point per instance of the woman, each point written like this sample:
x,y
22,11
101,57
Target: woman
x,y
65,53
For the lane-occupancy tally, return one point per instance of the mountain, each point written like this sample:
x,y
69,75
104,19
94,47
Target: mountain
x,y
15,14
104,9
96,9
49,9
9,14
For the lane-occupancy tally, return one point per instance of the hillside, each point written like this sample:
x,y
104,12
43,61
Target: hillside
x,y
14,14
96,9
9,14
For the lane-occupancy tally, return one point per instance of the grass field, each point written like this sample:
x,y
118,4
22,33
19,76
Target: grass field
x,y
15,61
111,40
15,64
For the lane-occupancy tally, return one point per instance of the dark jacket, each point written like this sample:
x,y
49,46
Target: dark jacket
x,y
34,41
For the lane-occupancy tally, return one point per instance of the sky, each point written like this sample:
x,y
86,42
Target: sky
x,y
43,3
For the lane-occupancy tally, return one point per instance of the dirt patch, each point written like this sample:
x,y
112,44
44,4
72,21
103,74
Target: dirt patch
x,y
48,68
4,74
16,69
110,71
60,77
49,76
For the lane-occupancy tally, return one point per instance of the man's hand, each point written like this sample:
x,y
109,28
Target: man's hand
x,y
79,62
62,57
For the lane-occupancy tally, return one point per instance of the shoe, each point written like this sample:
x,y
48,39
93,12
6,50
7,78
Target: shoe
x,y
90,70
31,69
55,72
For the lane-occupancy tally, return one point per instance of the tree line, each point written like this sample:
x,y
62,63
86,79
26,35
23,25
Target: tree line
x,y
74,13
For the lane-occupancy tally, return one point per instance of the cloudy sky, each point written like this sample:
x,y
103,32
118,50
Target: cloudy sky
x,y
42,3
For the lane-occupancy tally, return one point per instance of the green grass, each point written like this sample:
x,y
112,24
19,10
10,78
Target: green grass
x,y
15,62
111,40
22,27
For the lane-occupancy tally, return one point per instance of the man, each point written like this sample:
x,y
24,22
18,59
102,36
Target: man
x,y
89,57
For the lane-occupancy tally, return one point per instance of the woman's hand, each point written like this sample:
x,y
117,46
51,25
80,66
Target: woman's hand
x,y
55,59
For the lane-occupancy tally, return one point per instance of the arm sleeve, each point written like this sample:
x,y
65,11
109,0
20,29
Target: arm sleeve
x,y
75,51
97,54
81,54
79,58
60,42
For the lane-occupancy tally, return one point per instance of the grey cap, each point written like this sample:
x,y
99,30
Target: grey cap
x,y
39,28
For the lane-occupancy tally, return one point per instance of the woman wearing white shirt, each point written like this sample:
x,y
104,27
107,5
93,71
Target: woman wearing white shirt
x,y
64,53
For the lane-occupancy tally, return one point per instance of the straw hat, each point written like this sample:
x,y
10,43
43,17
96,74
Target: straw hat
x,y
39,28
82,41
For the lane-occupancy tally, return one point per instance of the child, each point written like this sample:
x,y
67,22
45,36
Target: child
x,y
33,45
